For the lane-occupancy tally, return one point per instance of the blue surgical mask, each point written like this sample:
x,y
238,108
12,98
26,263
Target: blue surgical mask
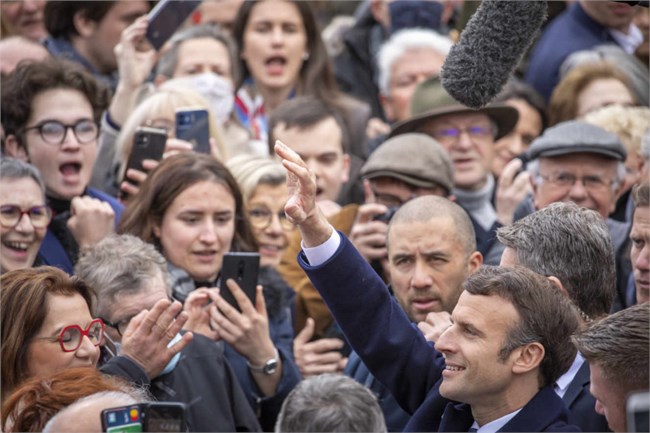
x,y
171,365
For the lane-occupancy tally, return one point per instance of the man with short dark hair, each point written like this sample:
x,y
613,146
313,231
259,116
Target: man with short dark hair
x,y
499,357
617,351
572,247
50,112
640,237
86,32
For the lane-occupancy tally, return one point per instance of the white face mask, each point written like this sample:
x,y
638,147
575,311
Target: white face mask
x,y
215,89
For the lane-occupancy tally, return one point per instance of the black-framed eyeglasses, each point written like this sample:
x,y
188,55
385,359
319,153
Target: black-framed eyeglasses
x,y
261,217
10,216
71,336
120,326
54,132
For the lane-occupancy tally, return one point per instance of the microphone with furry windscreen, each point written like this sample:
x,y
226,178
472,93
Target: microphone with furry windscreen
x,y
490,48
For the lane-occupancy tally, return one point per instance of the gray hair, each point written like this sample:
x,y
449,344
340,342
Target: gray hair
x,y
169,60
253,170
330,403
572,244
533,169
11,168
120,264
403,41
111,399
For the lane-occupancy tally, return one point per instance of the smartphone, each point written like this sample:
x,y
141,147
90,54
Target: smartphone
x,y
148,143
125,419
192,125
165,417
166,17
638,412
244,269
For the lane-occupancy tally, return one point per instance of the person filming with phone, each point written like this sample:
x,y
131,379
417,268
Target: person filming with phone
x,y
191,208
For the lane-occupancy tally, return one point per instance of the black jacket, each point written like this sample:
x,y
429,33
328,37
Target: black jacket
x,y
204,381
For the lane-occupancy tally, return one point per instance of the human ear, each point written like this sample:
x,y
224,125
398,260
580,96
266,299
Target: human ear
x,y
557,283
528,357
84,25
15,149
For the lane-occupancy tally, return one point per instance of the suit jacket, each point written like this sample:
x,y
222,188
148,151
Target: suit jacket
x,y
395,351
571,31
581,403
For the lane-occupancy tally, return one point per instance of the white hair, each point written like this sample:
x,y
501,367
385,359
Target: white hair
x,y
403,41
111,398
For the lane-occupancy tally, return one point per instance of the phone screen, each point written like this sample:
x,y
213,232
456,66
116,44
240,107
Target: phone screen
x,y
165,417
125,419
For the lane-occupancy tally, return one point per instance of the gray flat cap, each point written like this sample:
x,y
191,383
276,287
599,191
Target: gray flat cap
x,y
416,159
576,136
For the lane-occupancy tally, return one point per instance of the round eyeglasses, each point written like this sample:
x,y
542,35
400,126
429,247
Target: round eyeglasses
x,y
10,216
71,336
261,217
54,132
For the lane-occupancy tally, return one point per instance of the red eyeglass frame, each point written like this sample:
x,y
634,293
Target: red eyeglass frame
x,y
84,333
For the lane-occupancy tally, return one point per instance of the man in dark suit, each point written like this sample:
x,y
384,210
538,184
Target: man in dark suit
x,y
498,358
572,247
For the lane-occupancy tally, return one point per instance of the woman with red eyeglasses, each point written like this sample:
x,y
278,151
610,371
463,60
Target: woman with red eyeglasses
x,y
46,325
23,214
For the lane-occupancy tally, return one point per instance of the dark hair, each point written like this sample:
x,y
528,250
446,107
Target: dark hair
x,y
619,345
169,59
30,79
316,76
641,195
24,309
59,15
517,89
304,112
166,182
546,315
572,244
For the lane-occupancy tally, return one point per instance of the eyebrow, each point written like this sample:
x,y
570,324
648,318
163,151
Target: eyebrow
x,y
471,327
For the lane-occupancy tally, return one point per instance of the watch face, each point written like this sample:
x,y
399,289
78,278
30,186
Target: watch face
x,y
271,366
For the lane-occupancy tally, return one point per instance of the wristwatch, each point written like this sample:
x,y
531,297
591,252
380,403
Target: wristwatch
x,y
269,366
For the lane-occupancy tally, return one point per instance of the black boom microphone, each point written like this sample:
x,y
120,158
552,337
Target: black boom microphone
x,y
490,48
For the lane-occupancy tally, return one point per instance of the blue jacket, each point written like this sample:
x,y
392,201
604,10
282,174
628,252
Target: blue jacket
x,y
396,352
573,30
52,252
581,403
396,418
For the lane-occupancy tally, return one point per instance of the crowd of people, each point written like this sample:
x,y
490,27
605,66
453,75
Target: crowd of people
x,y
423,265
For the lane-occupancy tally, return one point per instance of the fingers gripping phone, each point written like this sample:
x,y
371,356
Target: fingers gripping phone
x,y
148,143
145,417
166,17
244,269
192,124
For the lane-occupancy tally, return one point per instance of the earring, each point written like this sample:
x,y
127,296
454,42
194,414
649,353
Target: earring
x,y
305,56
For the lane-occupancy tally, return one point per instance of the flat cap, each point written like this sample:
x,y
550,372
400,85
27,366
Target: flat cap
x,y
416,159
577,136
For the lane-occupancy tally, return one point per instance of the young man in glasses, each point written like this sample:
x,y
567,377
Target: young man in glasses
x,y
50,112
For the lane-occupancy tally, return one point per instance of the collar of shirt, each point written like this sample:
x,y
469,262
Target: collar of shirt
x,y
494,426
628,41
564,381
